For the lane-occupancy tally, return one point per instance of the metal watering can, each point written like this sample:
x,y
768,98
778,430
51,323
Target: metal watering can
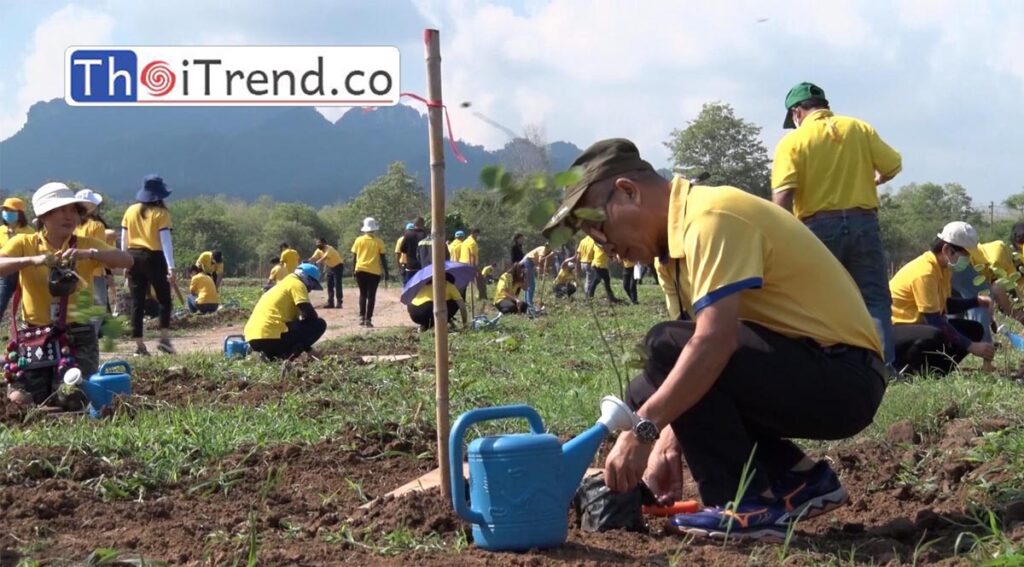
x,y
235,345
114,378
521,484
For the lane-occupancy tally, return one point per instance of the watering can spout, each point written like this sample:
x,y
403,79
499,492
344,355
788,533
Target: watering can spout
x,y
579,452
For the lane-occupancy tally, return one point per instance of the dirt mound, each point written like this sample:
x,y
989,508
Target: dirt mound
x,y
424,513
398,343
225,317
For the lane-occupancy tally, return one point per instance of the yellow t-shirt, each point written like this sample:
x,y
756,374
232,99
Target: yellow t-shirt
x,y
922,286
667,281
628,264
995,254
565,275
330,255
469,252
504,284
92,228
830,163
277,273
600,259
144,232
205,263
289,260
367,250
426,294
455,249
487,271
7,233
203,288
276,308
537,254
730,241
398,249
585,250
37,305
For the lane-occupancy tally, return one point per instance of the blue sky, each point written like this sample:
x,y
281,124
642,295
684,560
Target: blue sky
x,y
942,81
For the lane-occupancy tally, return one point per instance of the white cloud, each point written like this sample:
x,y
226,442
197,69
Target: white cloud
x,y
42,71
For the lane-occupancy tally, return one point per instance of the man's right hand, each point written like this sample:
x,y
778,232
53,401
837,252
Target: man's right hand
x,y
983,350
664,474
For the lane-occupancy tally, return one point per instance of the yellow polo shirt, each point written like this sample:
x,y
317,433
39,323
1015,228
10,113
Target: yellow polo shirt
x,y
330,255
276,308
144,231
426,294
202,286
469,252
37,305
455,249
290,260
995,254
585,250
537,254
667,282
92,228
830,163
277,273
205,263
504,284
398,249
600,259
565,275
731,242
367,250
6,233
921,286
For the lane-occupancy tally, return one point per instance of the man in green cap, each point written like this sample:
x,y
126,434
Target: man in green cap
x,y
770,355
826,172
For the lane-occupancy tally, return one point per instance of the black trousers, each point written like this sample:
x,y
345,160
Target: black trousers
x,y
921,347
334,276
423,315
300,337
149,269
367,293
564,289
773,388
629,284
601,275
508,306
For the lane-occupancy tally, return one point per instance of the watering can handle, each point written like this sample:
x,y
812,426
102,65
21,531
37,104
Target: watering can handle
x,y
229,337
455,440
118,364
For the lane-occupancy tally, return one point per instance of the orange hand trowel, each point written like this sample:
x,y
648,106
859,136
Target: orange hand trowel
x,y
678,507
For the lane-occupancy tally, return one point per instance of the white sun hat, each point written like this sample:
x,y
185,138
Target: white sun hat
x,y
370,225
55,195
91,196
959,233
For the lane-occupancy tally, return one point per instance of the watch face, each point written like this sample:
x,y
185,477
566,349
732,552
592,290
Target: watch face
x,y
646,431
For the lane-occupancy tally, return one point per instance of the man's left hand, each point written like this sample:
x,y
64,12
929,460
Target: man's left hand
x,y
625,465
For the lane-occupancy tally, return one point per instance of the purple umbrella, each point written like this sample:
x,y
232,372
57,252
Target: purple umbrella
x,y
463,274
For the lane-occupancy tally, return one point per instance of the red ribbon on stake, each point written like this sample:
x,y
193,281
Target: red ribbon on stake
x,y
451,137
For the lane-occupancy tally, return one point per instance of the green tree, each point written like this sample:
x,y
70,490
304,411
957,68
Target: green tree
x,y
1015,202
725,146
911,217
394,199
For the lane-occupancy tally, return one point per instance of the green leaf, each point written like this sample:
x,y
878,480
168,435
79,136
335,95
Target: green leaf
x,y
978,280
505,180
541,213
560,236
589,214
1014,277
511,195
568,178
489,176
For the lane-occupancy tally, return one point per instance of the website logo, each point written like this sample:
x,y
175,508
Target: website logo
x,y
232,76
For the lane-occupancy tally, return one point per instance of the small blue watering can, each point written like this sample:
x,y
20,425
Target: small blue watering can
x,y
114,378
235,345
520,484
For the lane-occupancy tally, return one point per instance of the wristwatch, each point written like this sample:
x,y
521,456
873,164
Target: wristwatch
x,y
646,430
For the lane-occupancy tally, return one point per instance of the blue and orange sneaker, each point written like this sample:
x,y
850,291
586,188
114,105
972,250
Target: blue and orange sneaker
x,y
760,518
811,493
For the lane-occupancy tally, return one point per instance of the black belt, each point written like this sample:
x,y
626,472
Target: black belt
x,y
842,213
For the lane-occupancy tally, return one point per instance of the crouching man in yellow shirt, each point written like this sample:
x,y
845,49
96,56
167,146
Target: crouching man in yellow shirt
x,y
284,324
202,292
421,308
771,355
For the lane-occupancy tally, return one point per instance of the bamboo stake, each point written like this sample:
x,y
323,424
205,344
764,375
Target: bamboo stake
x,y
432,45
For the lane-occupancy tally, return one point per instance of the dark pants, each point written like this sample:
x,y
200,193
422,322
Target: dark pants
x,y
921,347
564,289
204,308
367,293
7,286
334,284
407,273
481,286
300,337
149,269
772,389
423,315
629,284
508,306
601,275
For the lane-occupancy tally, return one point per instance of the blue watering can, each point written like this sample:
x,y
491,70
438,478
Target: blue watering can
x,y
114,378
521,484
235,345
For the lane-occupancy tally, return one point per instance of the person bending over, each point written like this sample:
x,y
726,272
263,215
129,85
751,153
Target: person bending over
x,y
421,308
284,324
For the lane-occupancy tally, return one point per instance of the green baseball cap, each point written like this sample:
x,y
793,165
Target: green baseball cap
x,y
600,161
798,94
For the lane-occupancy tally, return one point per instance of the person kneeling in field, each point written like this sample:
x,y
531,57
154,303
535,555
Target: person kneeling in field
x,y
506,294
44,299
421,308
284,324
565,281
771,355
202,292
921,298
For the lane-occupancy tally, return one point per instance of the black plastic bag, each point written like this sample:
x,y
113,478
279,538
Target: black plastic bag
x,y
599,509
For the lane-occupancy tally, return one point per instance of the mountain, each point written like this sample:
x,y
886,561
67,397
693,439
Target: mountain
x,y
291,154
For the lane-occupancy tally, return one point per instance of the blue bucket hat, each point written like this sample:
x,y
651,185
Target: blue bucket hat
x,y
409,226
460,234
153,189
310,274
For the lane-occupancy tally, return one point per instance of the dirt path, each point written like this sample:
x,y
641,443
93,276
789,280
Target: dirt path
x,y
389,313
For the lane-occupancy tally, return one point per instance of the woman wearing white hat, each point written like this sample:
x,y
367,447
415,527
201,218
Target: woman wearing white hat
x,y
93,226
370,263
31,256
